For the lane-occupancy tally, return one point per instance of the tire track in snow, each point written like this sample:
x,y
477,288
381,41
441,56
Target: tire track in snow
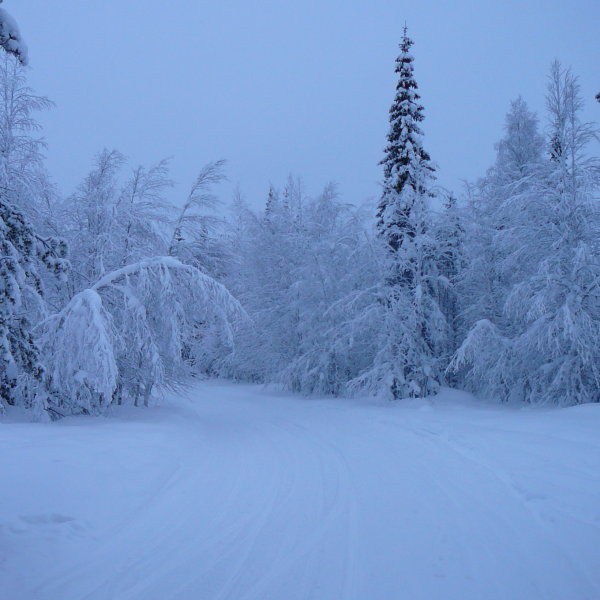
x,y
522,496
263,498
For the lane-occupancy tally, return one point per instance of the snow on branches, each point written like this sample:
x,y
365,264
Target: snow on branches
x,y
22,251
413,329
541,278
134,331
10,37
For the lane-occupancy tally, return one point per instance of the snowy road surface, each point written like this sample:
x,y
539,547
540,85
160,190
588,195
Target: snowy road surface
x,y
237,493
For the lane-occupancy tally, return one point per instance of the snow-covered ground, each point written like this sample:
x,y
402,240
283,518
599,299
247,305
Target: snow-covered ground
x,y
233,492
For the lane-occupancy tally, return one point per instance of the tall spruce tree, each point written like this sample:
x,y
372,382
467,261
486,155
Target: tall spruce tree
x,y
414,327
406,164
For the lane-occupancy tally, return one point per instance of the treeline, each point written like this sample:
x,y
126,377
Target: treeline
x,y
498,293
113,293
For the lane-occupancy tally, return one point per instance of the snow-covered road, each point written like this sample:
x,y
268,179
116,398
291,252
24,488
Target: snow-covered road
x,y
237,493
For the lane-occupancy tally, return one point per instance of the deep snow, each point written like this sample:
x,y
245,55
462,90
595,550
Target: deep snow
x,y
233,492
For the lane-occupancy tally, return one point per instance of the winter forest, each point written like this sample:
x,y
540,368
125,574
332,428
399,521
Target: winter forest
x,y
115,296
112,295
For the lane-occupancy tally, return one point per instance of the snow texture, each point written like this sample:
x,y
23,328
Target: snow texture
x,y
234,492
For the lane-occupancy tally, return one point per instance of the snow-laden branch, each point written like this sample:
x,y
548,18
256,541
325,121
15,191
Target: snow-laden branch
x,y
139,328
10,37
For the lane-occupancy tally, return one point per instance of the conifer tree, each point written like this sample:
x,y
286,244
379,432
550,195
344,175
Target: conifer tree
x,y
413,327
22,249
406,163
272,202
10,37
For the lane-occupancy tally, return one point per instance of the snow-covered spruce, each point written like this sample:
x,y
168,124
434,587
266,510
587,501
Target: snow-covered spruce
x,y
10,37
22,253
138,329
30,260
414,329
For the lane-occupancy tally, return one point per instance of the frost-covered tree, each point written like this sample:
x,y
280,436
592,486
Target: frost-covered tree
x,y
547,349
450,236
272,202
141,328
336,281
22,254
10,37
558,308
265,277
519,152
20,148
194,233
406,164
493,209
413,324
25,254
90,221
142,213
303,269
127,321
413,339
111,221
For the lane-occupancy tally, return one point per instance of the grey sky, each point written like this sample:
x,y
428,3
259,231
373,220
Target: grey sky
x,y
303,87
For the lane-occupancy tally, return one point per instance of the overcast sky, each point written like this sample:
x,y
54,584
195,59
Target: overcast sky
x,y
302,87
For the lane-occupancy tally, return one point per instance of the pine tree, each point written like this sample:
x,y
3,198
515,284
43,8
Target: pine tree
x,y
406,163
413,326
